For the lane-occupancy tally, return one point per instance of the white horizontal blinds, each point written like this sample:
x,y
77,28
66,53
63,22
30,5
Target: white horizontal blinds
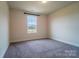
x,y
31,24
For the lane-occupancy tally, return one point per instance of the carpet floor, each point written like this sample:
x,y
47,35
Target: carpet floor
x,y
44,48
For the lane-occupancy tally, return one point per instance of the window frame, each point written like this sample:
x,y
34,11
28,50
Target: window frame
x,y
35,25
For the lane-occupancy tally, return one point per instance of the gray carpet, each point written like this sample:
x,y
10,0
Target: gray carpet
x,y
44,48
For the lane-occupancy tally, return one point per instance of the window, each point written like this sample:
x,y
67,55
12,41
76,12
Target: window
x,y
31,24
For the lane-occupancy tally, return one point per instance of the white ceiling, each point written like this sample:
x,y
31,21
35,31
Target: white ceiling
x,y
38,6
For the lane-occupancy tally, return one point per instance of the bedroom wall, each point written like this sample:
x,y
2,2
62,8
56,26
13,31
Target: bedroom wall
x,y
18,29
64,24
4,28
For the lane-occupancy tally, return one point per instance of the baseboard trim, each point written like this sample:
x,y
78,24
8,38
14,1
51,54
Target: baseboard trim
x,y
69,43
28,40
2,56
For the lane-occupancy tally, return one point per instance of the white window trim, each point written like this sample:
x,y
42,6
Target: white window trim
x,y
35,26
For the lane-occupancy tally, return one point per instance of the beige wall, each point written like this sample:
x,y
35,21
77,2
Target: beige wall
x,y
64,24
4,28
18,27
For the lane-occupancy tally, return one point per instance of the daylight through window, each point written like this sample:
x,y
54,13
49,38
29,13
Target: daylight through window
x,y
31,24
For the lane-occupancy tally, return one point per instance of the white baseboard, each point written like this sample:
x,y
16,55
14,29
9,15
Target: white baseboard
x,y
70,43
2,56
26,40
